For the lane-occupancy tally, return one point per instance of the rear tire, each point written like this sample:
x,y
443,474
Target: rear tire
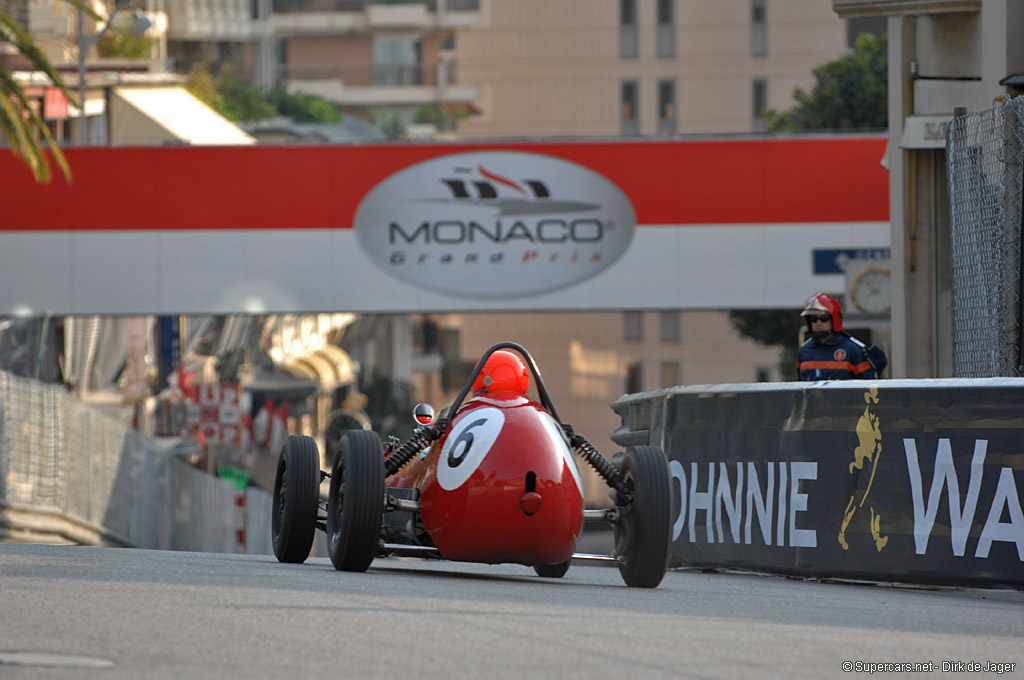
x,y
355,504
556,570
644,528
296,499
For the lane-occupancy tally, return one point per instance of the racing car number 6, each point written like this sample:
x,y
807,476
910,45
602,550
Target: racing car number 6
x,y
457,454
467,446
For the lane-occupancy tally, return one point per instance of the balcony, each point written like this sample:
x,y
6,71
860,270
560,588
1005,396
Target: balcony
x,y
196,20
359,85
859,8
352,16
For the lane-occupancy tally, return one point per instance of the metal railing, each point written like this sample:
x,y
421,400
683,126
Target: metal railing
x,y
72,474
372,75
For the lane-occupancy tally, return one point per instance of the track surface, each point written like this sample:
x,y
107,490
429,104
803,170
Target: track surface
x,y
146,614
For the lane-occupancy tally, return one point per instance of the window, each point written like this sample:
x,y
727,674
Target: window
x,y
666,107
630,118
665,46
633,326
666,12
280,51
627,29
758,29
670,374
396,60
669,326
634,377
759,101
627,12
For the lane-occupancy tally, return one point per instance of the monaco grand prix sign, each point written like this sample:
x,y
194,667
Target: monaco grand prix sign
x,y
494,224
727,223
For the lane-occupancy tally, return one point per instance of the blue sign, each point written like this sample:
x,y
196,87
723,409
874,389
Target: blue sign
x,y
833,260
170,347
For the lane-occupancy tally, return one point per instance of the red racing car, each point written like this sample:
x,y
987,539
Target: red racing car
x,y
493,480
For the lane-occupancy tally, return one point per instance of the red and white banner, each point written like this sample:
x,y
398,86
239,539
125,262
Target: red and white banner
x,y
682,224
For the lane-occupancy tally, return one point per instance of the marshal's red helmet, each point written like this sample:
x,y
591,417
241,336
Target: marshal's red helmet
x,y
503,372
823,304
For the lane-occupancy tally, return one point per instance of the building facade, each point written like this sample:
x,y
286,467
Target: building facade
x,y
375,59
643,67
943,54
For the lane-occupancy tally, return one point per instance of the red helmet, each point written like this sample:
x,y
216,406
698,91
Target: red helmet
x,y
824,304
503,372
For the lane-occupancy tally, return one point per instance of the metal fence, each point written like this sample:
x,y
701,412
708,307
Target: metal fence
x,y
72,474
984,161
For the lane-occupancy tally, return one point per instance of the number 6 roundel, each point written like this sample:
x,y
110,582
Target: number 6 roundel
x,y
467,445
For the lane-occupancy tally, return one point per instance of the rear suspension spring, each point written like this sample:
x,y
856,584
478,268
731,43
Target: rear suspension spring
x,y
604,467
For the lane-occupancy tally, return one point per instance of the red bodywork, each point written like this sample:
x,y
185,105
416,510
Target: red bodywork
x,y
500,486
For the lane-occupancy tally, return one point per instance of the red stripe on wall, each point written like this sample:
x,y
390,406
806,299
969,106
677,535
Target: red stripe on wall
x,y
717,181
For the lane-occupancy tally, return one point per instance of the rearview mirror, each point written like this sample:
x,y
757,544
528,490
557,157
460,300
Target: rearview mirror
x,y
423,413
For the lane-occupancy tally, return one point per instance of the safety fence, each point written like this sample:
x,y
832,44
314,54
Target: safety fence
x,y
896,480
72,474
984,160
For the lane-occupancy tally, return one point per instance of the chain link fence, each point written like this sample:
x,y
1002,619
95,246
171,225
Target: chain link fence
x,y
984,162
71,474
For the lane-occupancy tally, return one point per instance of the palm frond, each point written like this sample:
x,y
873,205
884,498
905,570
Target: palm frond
x,y
18,119
22,143
14,34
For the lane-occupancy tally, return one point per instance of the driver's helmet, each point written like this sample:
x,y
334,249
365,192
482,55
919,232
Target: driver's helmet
x,y
503,372
824,304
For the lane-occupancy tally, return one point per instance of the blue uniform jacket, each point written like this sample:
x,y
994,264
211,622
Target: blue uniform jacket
x,y
841,357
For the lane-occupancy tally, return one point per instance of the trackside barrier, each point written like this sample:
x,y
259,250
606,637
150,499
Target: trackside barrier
x,y
892,480
71,474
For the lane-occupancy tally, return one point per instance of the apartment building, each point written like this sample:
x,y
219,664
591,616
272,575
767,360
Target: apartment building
x,y
372,56
644,67
121,65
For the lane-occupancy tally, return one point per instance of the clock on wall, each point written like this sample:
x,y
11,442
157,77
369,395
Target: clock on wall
x,y
869,290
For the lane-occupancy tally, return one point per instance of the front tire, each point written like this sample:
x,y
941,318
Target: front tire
x,y
296,499
355,504
644,528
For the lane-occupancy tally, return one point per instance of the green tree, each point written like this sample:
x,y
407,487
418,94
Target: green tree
x,y
199,82
121,41
849,93
21,123
388,121
436,115
304,108
238,100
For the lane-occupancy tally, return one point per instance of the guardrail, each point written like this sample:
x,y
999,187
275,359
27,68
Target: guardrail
x,y
893,480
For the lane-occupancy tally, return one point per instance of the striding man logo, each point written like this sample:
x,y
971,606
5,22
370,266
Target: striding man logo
x,y
868,451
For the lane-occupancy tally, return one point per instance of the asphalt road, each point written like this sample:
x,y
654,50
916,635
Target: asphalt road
x,y
74,612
